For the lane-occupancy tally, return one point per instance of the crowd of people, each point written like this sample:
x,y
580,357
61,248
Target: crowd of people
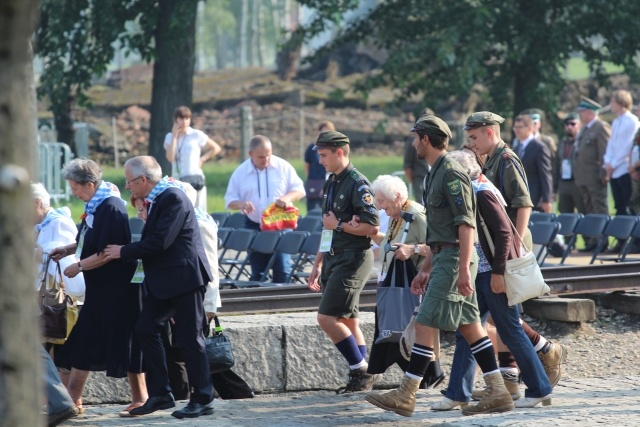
x,y
145,303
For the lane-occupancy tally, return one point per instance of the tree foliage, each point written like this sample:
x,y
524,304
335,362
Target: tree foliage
x,y
513,52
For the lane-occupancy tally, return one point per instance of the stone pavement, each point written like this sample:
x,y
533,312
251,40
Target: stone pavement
x,y
590,401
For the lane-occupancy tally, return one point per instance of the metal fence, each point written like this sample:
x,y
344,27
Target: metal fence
x,y
52,156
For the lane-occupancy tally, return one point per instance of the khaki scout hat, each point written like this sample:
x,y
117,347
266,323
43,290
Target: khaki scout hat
x,y
331,139
481,119
588,104
431,123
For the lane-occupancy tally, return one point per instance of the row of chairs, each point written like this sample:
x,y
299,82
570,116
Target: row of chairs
x,y
544,228
236,245
310,223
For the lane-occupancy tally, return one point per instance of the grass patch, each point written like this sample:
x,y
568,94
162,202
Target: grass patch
x,y
578,69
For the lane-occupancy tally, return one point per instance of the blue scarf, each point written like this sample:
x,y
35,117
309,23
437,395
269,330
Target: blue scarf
x,y
483,184
201,215
51,215
105,190
164,184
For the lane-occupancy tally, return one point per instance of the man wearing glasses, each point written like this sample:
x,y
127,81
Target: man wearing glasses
x,y
568,193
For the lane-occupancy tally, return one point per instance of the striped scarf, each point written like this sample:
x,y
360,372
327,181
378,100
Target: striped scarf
x,y
51,215
164,184
105,190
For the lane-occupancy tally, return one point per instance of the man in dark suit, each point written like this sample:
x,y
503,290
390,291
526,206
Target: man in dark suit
x,y
176,273
536,159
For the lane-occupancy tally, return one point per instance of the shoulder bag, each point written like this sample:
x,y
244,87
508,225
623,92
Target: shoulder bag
x,y
218,348
59,310
196,181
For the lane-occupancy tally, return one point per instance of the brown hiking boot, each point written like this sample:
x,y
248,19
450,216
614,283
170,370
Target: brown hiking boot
x,y
510,382
359,380
402,400
496,398
552,359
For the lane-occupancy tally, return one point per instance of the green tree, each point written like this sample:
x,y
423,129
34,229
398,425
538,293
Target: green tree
x,y
513,52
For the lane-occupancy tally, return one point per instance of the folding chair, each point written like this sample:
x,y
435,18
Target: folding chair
x,y
592,225
290,243
223,235
136,225
568,223
235,220
620,227
307,256
635,234
543,233
315,212
310,224
264,242
239,241
541,216
220,217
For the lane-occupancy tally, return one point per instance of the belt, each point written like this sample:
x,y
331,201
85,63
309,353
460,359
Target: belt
x,y
343,250
440,246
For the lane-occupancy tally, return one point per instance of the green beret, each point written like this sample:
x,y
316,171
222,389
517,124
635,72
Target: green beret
x,y
588,104
481,119
431,123
331,139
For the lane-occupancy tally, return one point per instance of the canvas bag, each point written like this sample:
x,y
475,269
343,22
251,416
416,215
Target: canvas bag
x,y
59,310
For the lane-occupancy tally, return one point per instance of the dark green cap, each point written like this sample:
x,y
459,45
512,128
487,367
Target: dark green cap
x,y
331,139
572,117
588,104
431,123
481,119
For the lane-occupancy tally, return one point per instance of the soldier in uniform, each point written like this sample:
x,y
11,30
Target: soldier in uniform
x,y
448,275
588,159
569,197
505,171
345,258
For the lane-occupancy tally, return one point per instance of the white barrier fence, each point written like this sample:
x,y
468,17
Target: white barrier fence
x,y
52,156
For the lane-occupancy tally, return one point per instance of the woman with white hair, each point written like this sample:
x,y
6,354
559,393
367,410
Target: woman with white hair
x,y
392,196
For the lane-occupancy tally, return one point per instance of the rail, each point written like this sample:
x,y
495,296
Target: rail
x,y
565,280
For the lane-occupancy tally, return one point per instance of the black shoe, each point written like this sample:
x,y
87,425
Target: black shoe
x,y
193,410
154,404
588,248
359,380
55,419
433,376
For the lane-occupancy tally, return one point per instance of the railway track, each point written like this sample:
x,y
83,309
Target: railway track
x,y
564,280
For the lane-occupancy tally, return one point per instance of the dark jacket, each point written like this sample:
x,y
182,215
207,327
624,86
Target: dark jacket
x,y
500,230
537,166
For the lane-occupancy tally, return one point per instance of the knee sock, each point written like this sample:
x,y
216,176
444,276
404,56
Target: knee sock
x,y
536,339
363,351
482,351
349,349
421,355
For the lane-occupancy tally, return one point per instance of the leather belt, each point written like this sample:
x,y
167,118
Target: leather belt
x,y
439,247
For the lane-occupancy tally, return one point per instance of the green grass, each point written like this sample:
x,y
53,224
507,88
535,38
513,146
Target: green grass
x,y
578,69
218,174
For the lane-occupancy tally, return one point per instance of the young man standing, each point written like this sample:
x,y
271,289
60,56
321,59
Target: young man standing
x,y
345,258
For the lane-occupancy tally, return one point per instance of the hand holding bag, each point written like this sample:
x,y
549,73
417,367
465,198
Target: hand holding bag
x,y
522,276
218,349
276,219
59,310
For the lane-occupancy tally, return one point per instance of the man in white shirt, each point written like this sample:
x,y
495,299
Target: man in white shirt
x,y
258,182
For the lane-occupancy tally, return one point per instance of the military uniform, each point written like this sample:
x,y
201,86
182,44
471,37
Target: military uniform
x,y
346,267
569,197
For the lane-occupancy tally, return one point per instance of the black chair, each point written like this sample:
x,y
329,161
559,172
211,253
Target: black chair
x,y
235,220
635,234
305,259
541,216
223,235
220,217
290,243
238,241
310,224
543,233
620,228
264,242
315,212
591,226
568,223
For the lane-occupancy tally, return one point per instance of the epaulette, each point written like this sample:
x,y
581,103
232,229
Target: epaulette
x,y
358,177
505,156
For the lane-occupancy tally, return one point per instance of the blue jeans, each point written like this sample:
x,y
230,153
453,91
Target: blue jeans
x,y
259,261
58,398
507,321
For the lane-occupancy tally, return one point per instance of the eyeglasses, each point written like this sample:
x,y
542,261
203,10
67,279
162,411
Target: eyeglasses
x,y
134,179
571,123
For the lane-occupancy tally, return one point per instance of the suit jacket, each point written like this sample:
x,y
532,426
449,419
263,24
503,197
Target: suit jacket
x,y
537,167
171,248
565,151
588,154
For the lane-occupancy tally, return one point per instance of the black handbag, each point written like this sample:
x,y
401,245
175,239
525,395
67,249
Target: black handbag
x,y
196,181
218,349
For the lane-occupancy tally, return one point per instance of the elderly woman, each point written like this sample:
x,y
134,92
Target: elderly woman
x,y
490,288
391,195
102,339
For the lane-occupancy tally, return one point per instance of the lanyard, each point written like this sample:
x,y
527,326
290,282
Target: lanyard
x,y
266,175
179,148
330,196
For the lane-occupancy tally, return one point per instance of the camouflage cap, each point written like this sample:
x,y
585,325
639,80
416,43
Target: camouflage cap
x,y
431,123
481,119
331,139
588,104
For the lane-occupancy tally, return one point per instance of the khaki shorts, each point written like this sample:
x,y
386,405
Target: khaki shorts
x,y
442,306
343,277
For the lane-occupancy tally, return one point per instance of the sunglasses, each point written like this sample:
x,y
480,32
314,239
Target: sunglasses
x,y
571,123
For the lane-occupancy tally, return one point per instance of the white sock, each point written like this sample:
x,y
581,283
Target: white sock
x,y
540,344
363,364
414,377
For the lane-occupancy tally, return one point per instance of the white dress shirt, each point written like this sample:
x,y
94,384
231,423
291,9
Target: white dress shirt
x,y
618,151
262,188
188,152
61,231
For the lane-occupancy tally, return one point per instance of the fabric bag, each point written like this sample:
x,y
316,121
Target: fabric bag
x,y
59,310
276,219
196,181
394,301
522,276
218,349
408,337
314,188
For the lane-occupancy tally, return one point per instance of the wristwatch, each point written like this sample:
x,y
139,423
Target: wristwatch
x,y
339,227
416,250
80,267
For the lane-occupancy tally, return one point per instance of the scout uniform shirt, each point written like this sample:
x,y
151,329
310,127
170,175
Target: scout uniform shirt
x,y
348,194
450,201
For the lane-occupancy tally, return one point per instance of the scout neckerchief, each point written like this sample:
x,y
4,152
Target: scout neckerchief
x,y
164,184
105,190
